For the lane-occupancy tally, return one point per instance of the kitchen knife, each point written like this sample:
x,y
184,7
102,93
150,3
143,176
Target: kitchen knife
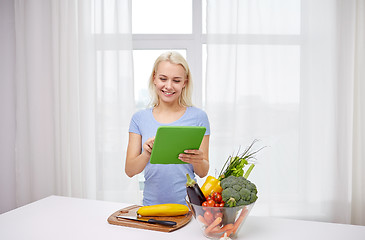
x,y
148,220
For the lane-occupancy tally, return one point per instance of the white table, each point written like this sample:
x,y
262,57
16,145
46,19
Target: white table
x,y
63,218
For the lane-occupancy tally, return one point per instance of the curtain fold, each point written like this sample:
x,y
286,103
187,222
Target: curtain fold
x,y
74,99
358,166
34,102
287,76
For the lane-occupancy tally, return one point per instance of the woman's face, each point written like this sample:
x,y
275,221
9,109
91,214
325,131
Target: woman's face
x,y
169,79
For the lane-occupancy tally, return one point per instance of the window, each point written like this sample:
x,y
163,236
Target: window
x,y
180,25
163,25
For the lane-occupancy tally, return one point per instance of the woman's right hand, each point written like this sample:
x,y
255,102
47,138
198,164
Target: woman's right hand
x,y
147,146
135,160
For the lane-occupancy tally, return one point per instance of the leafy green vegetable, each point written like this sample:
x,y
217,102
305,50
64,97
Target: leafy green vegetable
x,y
238,191
235,164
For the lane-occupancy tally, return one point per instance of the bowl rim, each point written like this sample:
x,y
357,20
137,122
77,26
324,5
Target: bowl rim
x,y
241,206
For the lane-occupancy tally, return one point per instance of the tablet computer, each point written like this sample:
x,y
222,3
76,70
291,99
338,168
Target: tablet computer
x,y
170,141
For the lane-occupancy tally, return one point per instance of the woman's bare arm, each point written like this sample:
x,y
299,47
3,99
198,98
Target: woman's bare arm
x,y
135,160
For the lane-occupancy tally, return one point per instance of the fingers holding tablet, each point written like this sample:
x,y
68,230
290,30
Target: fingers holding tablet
x,y
191,156
147,146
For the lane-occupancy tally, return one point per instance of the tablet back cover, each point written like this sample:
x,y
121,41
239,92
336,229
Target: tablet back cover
x,y
170,141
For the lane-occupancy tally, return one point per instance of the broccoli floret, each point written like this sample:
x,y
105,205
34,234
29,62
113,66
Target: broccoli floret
x,y
242,202
230,193
250,186
238,191
245,194
227,182
237,187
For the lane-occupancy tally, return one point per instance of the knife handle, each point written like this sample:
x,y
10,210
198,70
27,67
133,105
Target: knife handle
x,y
166,223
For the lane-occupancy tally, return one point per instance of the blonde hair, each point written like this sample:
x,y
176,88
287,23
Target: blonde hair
x,y
174,58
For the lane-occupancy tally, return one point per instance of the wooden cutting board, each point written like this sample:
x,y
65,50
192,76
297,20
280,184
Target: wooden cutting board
x,y
132,211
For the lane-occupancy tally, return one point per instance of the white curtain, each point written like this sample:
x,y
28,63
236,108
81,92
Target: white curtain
x,y
290,73
74,98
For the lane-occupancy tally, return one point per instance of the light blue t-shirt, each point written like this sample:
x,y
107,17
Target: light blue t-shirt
x,y
165,183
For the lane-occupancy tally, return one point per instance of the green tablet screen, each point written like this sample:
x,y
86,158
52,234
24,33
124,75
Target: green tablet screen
x,y
170,141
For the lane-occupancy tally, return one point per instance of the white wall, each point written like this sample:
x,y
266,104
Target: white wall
x,y
7,106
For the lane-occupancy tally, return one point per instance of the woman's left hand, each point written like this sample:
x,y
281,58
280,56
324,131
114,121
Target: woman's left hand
x,y
198,158
192,156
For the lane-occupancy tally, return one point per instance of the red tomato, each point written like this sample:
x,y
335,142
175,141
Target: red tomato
x,y
221,204
217,197
205,205
210,203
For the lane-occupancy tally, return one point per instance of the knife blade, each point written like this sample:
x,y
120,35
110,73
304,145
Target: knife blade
x,y
150,220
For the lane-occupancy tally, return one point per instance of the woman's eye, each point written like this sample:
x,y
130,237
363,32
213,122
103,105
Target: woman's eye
x,y
163,79
177,81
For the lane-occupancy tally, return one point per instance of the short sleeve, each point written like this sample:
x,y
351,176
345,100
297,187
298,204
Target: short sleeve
x,y
134,124
200,119
205,122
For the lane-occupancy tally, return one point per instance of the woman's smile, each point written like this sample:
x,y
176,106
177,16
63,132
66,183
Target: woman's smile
x,y
168,93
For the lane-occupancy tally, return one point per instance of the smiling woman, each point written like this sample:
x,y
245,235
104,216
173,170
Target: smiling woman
x,y
170,86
